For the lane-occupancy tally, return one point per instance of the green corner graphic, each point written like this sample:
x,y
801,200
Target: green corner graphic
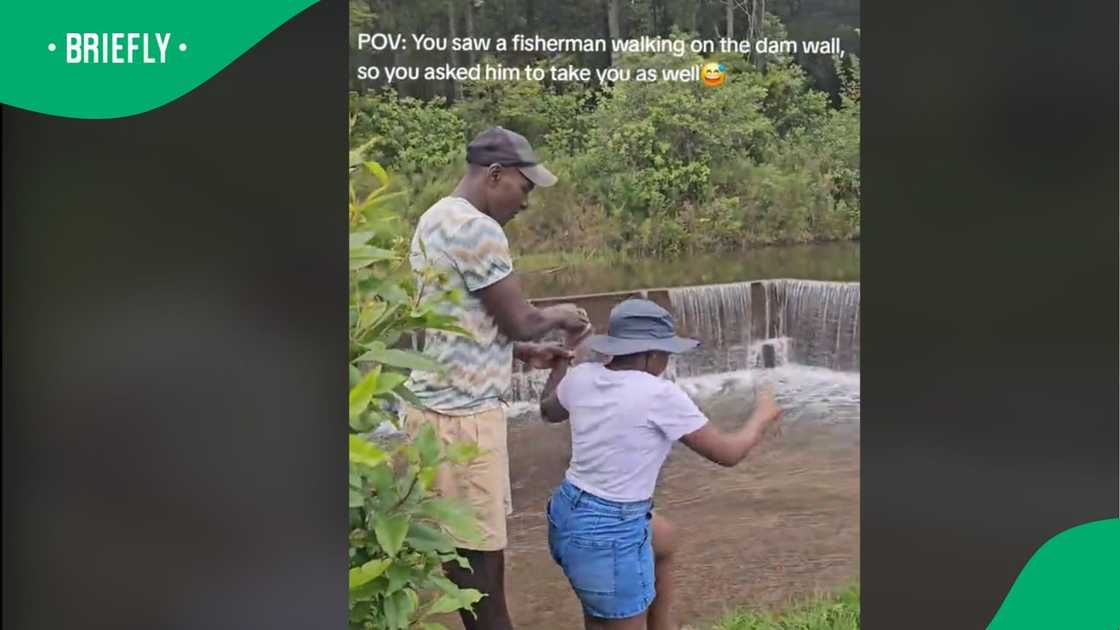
x,y
114,59
1071,583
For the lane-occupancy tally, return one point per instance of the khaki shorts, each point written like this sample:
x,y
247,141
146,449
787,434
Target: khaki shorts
x,y
483,484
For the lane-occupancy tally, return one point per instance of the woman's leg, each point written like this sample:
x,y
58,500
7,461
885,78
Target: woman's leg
x,y
664,550
637,622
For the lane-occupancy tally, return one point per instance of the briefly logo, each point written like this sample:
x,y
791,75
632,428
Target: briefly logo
x,y
117,48
713,74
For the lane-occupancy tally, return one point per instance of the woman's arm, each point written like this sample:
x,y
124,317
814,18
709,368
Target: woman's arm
x,y
551,409
728,449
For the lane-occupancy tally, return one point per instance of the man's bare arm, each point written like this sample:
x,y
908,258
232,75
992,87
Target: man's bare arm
x,y
520,320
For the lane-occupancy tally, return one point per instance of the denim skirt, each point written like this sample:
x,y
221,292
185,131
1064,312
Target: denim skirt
x,y
605,548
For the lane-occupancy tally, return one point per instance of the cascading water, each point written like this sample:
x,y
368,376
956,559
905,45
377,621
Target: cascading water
x,y
796,321
807,330
720,316
822,319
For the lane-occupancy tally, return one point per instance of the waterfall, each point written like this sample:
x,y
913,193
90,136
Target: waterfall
x,y
719,315
751,325
766,323
821,319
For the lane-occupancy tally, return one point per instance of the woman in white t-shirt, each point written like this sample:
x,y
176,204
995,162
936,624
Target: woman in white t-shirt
x,y
616,553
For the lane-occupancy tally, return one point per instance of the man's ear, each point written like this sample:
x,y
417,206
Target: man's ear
x,y
494,172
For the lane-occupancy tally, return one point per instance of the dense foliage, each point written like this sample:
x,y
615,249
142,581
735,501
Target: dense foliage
x,y
659,168
398,536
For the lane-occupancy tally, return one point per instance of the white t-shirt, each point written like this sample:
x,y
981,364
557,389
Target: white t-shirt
x,y
624,423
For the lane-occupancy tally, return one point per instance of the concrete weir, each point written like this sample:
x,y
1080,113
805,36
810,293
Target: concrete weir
x,y
741,326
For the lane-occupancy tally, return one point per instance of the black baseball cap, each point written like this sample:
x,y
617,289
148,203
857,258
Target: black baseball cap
x,y
499,145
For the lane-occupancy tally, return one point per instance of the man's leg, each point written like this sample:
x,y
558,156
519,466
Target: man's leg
x,y
664,550
488,576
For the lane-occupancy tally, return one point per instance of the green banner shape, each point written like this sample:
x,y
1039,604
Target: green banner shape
x,y
113,59
1072,582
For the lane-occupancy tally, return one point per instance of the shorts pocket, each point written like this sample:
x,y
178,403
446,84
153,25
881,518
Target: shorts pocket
x,y
591,565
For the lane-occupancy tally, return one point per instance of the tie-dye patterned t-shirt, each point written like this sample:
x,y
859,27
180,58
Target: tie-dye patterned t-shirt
x,y
471,247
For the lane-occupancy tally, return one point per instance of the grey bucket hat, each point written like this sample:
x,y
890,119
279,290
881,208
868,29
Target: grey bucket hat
x,y
638,325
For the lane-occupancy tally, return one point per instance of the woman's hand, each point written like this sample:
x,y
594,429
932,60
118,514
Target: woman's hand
x,y
542,356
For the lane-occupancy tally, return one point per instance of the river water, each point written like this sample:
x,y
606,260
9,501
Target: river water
x,y
826,261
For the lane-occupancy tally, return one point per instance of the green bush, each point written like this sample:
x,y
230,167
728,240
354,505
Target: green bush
x,y
406,134
553,119
655,144
398,532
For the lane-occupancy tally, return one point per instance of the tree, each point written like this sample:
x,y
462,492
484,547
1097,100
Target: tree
x,y
612,26
453,34
468,13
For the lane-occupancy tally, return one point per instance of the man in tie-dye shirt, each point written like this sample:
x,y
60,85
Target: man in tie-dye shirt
x,y
462,236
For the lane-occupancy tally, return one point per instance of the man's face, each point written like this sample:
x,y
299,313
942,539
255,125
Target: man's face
x,y
508,192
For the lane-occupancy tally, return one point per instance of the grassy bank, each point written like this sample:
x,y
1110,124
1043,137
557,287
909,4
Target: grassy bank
x,y
553,260
834,612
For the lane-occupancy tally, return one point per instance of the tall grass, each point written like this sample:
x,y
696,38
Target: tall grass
x,y
834,612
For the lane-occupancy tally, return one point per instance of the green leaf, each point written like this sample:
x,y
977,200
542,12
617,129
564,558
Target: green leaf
x,y
463,452
382,199
388,381
378,172
444,604
355,376
382,479
372,590
456,558
399,575
391,292
448,602
367,453
425,539
446,585
356,499
363,392
356,154
427,445
406,395
367,255
368,571
391,531
399,608
401,359
455,517
357,239
426,476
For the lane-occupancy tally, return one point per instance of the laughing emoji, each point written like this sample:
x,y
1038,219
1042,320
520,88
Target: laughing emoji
x,y
713,74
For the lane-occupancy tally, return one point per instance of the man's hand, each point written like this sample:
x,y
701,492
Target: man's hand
x,y
573,339
542,355
572,318
581,349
